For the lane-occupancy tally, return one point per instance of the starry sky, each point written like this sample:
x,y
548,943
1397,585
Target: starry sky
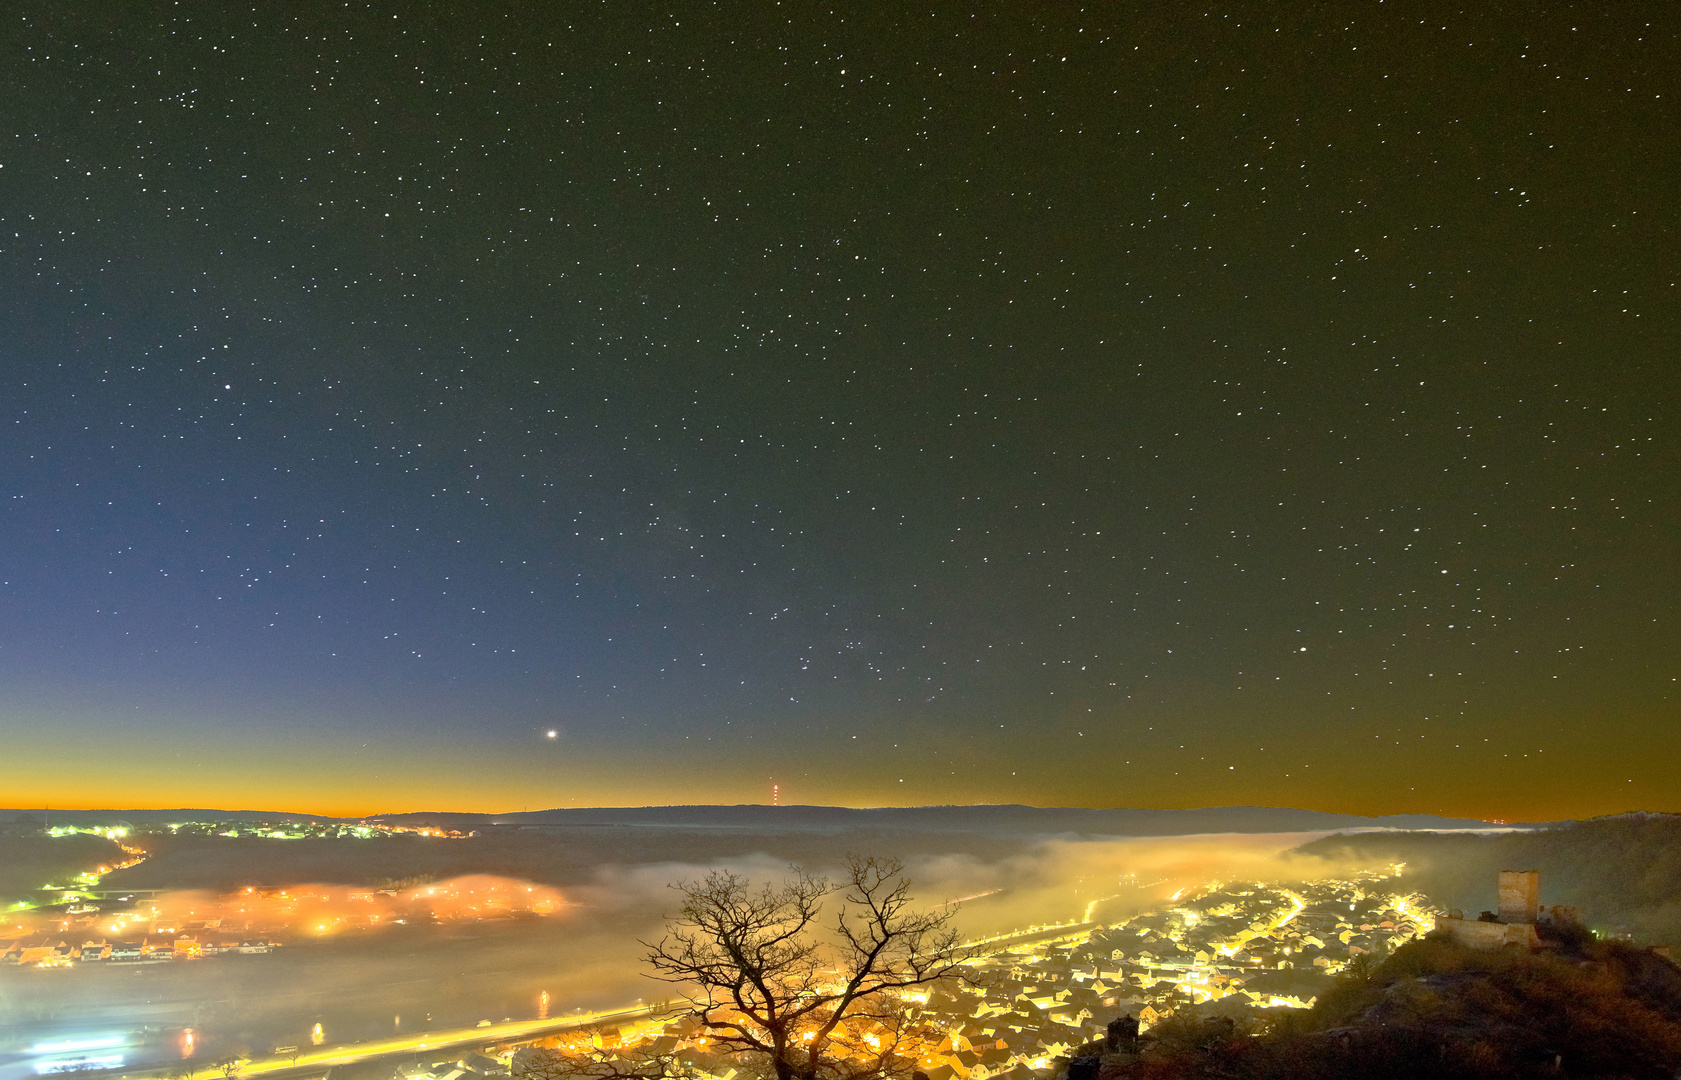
x,y
1137,405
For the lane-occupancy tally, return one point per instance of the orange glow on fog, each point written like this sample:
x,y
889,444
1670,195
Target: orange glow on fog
x,y
315,910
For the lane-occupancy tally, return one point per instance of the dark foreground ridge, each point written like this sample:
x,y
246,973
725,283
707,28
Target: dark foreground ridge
x,y
1435,1008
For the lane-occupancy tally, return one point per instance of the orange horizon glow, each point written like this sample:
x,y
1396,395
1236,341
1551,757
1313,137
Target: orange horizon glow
x,y
281,810
1570,789
153,765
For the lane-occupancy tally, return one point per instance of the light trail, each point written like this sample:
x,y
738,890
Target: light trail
x,y
1054,929
1424,920
349,1054
1301,905
1091,907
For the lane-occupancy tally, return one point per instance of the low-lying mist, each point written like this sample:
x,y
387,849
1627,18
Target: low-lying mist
x,y
309,909
1622,874
364,962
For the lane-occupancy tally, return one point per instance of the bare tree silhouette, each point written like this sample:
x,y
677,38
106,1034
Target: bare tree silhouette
x,y
770,983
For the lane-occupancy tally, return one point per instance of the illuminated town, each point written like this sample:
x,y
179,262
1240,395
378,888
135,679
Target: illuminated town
x,y
1028,999
1025,1001
78,920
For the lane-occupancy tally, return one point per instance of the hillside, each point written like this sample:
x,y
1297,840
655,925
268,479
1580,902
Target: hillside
x,y
553,855
984,818
998,818
1434,1009
1622,873
28,863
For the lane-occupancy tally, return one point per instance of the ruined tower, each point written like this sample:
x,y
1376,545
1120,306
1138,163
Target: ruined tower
x,y
1519,895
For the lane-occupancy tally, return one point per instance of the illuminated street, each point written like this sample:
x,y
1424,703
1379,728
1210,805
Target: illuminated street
x,y
1033,994
311,1059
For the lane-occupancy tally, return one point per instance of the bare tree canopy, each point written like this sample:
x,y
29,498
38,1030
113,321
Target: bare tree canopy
x,y
769,980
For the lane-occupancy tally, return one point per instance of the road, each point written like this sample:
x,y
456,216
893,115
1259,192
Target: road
x,y
317,1060
1004,942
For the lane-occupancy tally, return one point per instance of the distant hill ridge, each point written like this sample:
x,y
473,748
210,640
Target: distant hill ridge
x,y
987,818
983,818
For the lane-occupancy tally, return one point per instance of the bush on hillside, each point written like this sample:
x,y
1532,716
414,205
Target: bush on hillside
x,y
1438,1009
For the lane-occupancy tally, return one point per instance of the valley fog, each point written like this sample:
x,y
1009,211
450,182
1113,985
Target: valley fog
x,y
574,938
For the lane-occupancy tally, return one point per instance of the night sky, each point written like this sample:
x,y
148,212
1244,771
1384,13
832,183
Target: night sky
x,y
1136,406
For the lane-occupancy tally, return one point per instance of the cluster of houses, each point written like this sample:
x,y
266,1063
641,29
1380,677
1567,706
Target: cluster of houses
x,y
45,952
1239,946
1248,946
472,1066
1265,946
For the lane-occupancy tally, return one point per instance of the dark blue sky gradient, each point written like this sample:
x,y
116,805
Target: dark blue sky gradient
x,y
977,405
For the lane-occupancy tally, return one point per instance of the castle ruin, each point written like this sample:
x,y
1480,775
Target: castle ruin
x,y
1518,904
